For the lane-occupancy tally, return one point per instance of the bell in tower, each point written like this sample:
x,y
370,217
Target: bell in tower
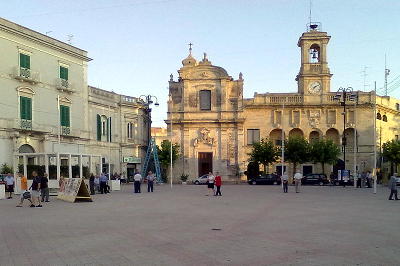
x,y
314,75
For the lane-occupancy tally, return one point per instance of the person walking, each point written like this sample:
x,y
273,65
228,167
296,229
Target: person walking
x,y
369,179
393,187
44,188
297,181
97,183
150,181
91,184
24,190
103,183
35,190
218,184
136,182
9,185
285,182
210,180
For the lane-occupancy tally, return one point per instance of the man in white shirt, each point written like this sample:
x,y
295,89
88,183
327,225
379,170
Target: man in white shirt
x,y
137,179
285,181
297,181
10,184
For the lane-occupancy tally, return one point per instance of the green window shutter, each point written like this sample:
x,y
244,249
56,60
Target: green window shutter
x,y
25,108
64,116
98,128
108,129
63,73
67,116
24,61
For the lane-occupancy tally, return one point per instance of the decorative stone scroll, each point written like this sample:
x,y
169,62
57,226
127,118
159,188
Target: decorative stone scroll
x,y
314,118
204,138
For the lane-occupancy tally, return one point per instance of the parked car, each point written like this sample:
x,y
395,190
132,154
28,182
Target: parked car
x,y
337,182
315,179
202,180
265,179
397,181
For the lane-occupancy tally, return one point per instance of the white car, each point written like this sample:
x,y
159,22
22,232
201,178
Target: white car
x,y
202,180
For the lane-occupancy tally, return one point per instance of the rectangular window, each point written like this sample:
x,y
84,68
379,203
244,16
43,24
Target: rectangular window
x,y
350,116
64,116
63,73
278,117
332,117
253,136
25,61
296,117
205,100
25,108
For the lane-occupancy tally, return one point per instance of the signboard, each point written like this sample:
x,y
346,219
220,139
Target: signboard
x,y
131,159
73,189
345,175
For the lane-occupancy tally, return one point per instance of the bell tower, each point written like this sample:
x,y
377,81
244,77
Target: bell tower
x,y
314,76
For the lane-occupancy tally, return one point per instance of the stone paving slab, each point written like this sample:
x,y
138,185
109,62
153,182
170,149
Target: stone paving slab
x,y
259,226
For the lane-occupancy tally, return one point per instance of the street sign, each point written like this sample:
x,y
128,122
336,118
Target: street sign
x,y
131,159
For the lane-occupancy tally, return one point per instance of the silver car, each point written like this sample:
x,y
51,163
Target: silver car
x,y
201,180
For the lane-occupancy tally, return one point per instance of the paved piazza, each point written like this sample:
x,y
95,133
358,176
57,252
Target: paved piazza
x,y
259,226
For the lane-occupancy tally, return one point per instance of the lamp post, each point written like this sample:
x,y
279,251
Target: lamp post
x,y
341,96
148,100
170,155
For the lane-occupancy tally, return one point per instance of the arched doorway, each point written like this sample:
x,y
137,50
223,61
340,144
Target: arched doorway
x,y
26,148
333,134
276,136
314,136
296,132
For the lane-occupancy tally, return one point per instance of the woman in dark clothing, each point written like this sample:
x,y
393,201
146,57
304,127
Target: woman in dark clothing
x,y
91,184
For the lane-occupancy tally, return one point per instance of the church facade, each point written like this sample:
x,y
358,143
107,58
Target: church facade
x,y
216,126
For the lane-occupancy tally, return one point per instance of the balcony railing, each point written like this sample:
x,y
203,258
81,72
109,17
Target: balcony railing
x,y
64,85
25,124
26,74
65,131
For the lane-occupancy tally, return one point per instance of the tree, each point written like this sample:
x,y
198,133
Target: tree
x,y
325,152
164,155
6,169
391,151
297,151
264,152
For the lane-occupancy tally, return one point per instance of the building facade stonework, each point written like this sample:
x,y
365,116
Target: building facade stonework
x,y
216,127
45,94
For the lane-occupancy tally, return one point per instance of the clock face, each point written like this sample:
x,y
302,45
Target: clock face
x,y
314,87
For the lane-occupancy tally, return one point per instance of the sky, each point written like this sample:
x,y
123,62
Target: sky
x,y
136,44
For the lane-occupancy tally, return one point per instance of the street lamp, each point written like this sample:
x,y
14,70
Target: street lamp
x,y
343,95
148,100
170,101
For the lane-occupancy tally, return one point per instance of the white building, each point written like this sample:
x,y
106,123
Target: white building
x,y
47,106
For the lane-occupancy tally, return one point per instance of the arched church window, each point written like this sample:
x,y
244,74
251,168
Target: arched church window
x,y
384,118
378,116
314,53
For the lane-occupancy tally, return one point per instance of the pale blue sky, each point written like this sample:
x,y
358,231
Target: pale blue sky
x,y
136,44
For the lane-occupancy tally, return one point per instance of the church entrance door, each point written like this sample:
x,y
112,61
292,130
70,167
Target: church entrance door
x,y
205,163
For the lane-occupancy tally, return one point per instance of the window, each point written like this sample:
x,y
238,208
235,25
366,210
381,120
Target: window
x,y
351,116
253,136
205,100
129,131
332,117
296,117
103,128
397,107
278,142
278,117
378,116
24,61
63,73
64,116
384,118
25,108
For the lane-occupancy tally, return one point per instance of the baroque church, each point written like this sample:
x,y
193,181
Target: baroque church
x,y
215,126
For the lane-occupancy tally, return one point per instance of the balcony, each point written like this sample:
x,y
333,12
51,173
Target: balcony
x,y
65,131
64,85
25,124
26,74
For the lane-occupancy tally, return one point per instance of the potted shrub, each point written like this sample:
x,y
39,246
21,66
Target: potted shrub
x,y
184,178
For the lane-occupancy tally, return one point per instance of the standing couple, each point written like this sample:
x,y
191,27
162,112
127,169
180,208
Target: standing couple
x,y
214,184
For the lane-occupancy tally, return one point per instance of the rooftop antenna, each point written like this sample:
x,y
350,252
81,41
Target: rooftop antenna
x,y
387,71
69,40
364,74
309,17
48,32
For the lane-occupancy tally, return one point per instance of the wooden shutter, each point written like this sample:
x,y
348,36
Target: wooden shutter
x,y
98,128
64,116
25,108
63,73
24,61
109,129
